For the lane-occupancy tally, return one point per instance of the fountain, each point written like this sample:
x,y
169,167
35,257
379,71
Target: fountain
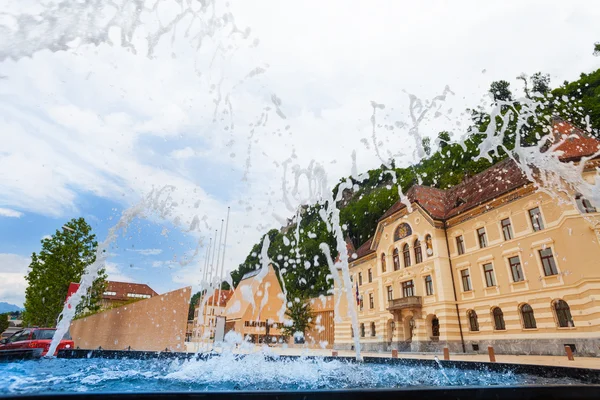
x,y
208,31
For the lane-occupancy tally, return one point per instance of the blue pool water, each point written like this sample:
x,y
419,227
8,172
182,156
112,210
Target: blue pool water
x,y
225,373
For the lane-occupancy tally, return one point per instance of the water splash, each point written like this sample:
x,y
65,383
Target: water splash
x,y
64,25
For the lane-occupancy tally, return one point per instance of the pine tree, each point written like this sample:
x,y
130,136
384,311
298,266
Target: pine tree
x,y
62,260
301,315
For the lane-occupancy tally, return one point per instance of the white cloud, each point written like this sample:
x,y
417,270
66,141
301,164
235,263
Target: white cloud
x,y
147,252
7,212
46,237
113,270
183,154
13,269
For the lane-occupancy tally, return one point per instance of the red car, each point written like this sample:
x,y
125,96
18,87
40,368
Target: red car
x,y
35,338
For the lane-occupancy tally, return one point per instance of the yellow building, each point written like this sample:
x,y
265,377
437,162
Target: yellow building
x,y
206,313
256,308
491,261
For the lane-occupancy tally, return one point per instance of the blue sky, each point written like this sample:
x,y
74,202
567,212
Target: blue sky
x,y
94,128
143,254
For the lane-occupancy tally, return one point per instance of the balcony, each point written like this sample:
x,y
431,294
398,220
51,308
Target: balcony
x,y
405,302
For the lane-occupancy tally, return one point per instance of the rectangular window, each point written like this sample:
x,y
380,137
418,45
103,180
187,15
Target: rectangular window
x,y
360,278
361,303
507,229
466,280
536,219
488,272
371,301
110,293
408,288
482,238
516,269
370,276
428,285
390,293
548,262
584,204
460,245
139,296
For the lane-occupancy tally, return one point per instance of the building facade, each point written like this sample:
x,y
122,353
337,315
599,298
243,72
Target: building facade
x,y
491,261
206,313
119,293
256,308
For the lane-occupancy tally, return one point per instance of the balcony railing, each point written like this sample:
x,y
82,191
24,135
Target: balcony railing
x,y
405,302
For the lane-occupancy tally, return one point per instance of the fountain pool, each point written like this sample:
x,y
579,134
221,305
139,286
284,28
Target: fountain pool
x,y
134,372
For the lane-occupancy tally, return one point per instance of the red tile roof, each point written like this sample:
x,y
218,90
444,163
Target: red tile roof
x,y
576,143
485,186
221,297
481,188
123,288
364,250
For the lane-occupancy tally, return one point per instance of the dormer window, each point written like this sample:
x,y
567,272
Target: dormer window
x,y
459,202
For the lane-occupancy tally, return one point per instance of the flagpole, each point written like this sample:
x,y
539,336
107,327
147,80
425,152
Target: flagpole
x,y
204,272
217,291
222,273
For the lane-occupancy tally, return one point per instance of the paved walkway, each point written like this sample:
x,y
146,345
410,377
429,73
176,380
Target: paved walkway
x,y
561,361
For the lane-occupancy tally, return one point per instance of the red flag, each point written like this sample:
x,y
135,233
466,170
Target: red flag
x,y
72,289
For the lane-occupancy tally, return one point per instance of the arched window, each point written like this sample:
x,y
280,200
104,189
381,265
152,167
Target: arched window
x,y
396,260
498,319
473,323
563,314
406,253
382,262
418,253
435,327
528,317
372,328
362,330
428,245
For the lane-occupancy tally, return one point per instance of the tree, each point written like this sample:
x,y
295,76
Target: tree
x,y
443,139
63,259
540,83
597,49
426,145
3,322
301,315
193,303
501,91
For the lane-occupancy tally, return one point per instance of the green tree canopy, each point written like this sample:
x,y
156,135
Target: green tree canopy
x,y
501,90
193,303
63,259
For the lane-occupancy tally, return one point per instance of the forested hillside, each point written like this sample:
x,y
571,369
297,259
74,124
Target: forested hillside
x,y
303,264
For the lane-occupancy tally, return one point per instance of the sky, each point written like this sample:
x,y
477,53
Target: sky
x,y
191,112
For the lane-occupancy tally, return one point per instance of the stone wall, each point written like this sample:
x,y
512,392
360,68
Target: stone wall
x,y
152,324
546,347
